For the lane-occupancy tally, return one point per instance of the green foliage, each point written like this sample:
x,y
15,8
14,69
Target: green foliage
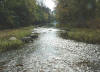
x,y
18,33
77,12
85,35
80,14
17,13
6,44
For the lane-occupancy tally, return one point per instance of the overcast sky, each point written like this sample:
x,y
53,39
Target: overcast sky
x,y
50,4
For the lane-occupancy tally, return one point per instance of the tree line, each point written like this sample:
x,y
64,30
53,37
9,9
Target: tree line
x,y
19,13
78,13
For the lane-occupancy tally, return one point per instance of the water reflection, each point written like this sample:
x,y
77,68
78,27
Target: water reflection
x,y
52,53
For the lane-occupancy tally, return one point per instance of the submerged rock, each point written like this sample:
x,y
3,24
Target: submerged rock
x,y
30,38
2,68
34,35
27,39
50,30
19,65
2,63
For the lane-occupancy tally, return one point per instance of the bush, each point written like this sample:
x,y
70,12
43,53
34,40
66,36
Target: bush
x,y
85,35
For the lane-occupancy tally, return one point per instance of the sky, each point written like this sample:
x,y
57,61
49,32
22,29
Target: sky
x,y
50,4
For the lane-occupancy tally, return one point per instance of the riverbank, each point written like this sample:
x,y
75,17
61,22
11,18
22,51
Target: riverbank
x,y
52,53
85,35
11,38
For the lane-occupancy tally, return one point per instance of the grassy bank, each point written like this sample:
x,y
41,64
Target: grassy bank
x,y
85,35
6,44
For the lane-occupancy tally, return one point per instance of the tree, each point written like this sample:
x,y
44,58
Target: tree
x,y
76,13
18,13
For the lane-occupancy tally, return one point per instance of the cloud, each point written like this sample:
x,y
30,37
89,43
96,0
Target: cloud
x,y
50,4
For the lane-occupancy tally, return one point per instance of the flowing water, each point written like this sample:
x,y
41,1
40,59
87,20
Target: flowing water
x,y
52,53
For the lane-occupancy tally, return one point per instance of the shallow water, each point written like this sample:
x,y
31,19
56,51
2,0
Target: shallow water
x,y
52,53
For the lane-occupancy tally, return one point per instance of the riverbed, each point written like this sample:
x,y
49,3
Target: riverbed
x,y
52,53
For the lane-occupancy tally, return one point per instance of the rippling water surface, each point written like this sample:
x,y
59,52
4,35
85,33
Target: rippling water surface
x,y
52,53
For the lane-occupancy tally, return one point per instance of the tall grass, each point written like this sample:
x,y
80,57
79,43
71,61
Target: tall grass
x,y
6,44
85,35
